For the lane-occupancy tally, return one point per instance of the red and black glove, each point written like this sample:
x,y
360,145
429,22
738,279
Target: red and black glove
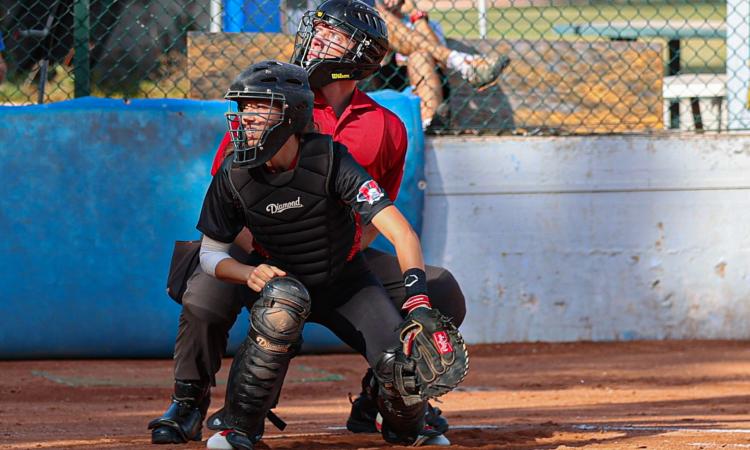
x,y
431,341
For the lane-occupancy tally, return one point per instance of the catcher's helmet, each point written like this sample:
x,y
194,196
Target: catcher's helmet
x,y
285,88
367,45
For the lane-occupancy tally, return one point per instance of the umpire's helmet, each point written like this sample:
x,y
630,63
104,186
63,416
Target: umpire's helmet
x,y
282,85
367,45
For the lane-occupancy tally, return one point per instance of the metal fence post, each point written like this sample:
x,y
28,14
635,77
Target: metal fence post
x,y
81,65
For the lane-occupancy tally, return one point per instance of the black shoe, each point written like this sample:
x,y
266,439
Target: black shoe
x,y
364,409
183,420
434,418
362,416
428,436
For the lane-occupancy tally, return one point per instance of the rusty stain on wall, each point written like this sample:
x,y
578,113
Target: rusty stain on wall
x,y
720,269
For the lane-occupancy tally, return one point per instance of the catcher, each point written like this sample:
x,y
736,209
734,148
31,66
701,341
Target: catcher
x,y
298,192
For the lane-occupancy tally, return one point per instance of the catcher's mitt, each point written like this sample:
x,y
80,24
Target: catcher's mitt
x,y
437,351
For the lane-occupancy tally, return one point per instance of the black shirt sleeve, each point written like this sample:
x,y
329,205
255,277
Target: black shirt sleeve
x,y
356,187
220,219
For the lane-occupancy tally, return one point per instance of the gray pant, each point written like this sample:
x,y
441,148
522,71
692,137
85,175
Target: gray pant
x,y
210,307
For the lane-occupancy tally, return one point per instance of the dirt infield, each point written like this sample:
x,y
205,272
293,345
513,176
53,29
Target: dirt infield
x,y
655,395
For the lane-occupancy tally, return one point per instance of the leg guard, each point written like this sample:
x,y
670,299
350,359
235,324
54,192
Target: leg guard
x,y
183,419
403,421
260,365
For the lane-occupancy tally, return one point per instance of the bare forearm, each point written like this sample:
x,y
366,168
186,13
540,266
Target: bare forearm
x,y
408,251
397,230
244,240
233,271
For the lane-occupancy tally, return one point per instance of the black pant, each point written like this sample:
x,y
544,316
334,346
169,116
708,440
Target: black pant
x,y
210,307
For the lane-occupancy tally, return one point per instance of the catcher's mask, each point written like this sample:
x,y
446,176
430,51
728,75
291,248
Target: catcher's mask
x,y
354,59
269,102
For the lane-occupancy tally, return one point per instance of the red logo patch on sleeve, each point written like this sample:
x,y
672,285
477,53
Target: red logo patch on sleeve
x,y
369,192
442,342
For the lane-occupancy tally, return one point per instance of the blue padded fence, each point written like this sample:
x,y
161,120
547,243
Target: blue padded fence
x,y
95,191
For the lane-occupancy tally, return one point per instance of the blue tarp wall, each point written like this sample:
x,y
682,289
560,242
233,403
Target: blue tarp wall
x,y
95,191
251,15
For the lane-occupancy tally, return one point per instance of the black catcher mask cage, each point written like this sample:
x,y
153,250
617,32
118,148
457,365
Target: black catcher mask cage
x,y
366,47
258,135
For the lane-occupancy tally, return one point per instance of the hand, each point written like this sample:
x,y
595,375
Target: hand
x,y
261,275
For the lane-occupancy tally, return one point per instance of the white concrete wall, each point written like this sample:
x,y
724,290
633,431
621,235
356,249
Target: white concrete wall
x,y
594,238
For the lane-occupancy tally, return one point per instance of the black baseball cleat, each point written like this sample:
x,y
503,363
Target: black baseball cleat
x,y
364,411
428,436
362,416
183,420
434,418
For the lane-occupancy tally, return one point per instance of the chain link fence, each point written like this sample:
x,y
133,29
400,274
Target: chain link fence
x,y
562,67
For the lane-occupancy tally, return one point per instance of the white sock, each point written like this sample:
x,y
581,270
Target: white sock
x,y
460,62
426,123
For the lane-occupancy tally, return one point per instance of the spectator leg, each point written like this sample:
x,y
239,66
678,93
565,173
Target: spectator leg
x,y
425,83
406,41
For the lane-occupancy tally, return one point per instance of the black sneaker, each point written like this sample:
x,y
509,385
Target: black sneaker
x,y
428,436
434,418
364,411
362,416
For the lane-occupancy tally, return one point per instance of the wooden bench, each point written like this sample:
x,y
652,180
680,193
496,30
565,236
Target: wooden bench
x,y
554,86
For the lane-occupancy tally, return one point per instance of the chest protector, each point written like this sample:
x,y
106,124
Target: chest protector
x,y
305,230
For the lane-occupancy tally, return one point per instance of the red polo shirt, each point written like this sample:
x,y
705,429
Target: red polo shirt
x,y
375,137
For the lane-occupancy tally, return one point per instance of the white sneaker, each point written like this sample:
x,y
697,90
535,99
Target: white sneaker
x,y
219,441
437,440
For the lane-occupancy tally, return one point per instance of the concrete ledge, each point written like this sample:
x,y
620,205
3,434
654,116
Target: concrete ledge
x,y
594,238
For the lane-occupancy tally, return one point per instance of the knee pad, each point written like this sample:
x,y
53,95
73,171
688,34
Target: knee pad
x,y
403,415
278,316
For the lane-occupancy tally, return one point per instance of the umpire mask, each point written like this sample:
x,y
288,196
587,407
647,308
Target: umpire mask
x,y
353,53
273,102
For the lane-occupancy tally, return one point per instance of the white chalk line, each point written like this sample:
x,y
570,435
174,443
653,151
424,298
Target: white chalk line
x,y
656,428
452,427
713,445
333,430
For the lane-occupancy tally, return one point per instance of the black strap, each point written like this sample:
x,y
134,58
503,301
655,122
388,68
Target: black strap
x,y
276,420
